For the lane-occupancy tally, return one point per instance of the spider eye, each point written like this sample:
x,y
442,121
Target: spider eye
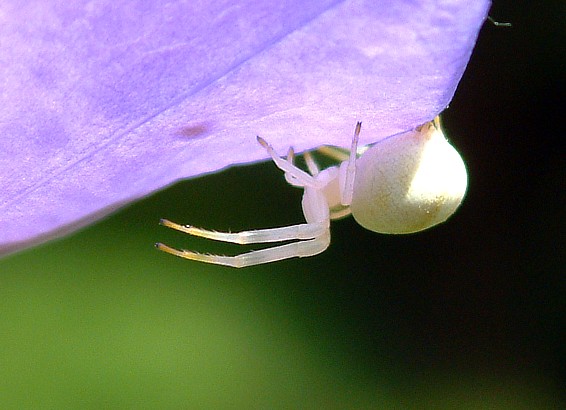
x,y
409,183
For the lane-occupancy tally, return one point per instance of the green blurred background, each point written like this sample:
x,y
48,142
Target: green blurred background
x,y
468,315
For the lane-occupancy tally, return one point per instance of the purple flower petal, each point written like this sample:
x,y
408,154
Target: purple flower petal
x,y
104,102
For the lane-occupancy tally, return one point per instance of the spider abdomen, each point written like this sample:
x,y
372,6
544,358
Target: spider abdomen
x,y
409,182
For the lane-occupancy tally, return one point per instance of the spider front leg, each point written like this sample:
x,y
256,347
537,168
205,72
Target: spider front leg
x,y
296,249
286,233
311,238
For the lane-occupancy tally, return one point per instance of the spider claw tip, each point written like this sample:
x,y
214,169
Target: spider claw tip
x,y
262,142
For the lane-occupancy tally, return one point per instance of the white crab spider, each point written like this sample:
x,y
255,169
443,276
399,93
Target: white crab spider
x,y
404,184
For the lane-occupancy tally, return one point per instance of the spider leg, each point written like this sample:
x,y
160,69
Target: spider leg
x,y
291,156
301,177
286,233
437,123
334,153
291,179
340,213
311,164
340,154
310,238
348,169
299,249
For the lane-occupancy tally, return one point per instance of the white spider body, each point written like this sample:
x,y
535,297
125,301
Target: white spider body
x,y
405,184
408,183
